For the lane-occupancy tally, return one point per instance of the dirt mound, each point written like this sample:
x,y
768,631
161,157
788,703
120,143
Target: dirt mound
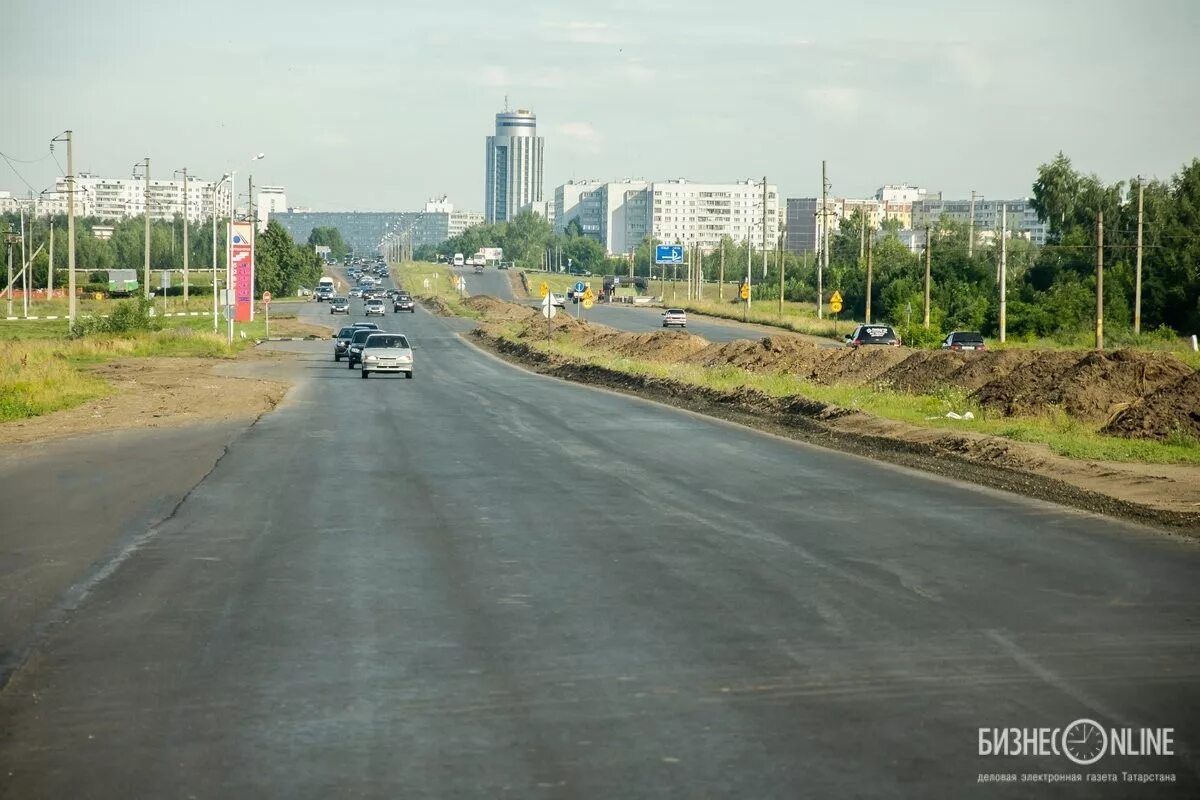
x,y
495,310
770,354
1089,386
659,346
857,366
1172,410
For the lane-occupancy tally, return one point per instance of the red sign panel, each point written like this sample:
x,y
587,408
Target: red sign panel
x,y
242,253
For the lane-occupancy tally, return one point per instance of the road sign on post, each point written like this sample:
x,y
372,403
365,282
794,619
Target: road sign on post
x,y
543,289
668,254
579,287
266,298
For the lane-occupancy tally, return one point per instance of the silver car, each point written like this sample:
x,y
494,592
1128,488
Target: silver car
x,y
387,352
373,306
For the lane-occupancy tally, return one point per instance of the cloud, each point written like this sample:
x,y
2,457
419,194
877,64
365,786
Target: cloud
x,y
494,76
840,102
580,32
579,136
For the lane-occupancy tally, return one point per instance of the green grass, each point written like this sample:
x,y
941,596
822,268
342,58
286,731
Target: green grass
x,y
1060,433
412,276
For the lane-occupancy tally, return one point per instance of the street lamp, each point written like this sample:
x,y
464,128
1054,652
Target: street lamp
x,y
216,187
185,235
145,162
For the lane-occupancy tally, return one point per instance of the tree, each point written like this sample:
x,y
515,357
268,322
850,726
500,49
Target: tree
x,y
330,237
574,228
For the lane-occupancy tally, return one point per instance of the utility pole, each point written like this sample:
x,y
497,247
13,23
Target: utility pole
x,y
870,275
253,237
824,259
764,228
721,275
699,274
70,226
50,271
1137,279
862,234
185,239
1003,271
971,228
779,263
1099,280
146,268
25,262
928,271
749,260
9,239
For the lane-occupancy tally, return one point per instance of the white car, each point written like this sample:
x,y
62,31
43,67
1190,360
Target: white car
x,y
674,316
387,352
373,306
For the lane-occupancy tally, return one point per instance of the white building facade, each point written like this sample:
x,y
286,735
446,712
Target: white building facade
x,y
1022,219
513,175
118,198
701,214
270,200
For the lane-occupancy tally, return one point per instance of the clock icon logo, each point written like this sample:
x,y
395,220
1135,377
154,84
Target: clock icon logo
x,y
1084,741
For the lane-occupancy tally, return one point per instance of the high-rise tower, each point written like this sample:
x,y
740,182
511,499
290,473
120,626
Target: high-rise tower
x,y
514,165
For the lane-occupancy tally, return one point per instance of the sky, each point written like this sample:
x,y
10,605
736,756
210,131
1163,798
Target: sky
x,y
381,105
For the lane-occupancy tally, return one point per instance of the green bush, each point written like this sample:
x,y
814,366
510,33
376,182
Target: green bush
x,y
128,316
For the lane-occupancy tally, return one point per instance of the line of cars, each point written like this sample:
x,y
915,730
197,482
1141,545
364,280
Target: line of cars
x,y
864,335
363,344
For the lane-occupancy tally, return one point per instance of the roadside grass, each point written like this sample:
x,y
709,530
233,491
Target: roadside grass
x,y
42,376
1062,434
412,275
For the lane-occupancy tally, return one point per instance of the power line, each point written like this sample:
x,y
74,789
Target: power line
x,y
24,161
15,172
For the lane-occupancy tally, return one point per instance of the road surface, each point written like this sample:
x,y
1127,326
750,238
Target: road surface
x,y
486,583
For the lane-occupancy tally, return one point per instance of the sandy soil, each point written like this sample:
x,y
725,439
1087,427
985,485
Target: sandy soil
x,y
154,393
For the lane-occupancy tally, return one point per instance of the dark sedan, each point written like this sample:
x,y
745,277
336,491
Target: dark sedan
x,y
339,305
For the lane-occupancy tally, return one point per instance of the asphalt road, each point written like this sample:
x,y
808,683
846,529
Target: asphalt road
x,y
485,583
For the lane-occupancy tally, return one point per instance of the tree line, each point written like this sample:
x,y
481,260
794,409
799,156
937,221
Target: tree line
x,y
1051,289
282,266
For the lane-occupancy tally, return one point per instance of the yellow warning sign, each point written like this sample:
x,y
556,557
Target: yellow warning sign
x,y
835,306
836,297
744,292
544,289
588,302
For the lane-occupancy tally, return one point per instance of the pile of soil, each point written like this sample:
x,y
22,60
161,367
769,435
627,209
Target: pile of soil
x,y
497,310
1089,386
664,346
1172,410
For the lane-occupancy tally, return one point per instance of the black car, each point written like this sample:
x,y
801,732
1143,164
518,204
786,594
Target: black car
x,y
339,305
873,334
964,340
404,302
355,348
341,341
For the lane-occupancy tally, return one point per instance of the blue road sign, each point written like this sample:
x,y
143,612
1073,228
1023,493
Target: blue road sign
x,y
668,254
579,287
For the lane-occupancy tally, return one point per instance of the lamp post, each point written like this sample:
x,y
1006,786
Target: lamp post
x,y
216,310
185,235
145,163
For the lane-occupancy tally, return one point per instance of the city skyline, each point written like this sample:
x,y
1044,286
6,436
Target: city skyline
x,y
935,94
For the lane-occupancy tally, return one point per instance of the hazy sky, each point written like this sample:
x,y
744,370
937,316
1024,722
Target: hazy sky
x,y
379,105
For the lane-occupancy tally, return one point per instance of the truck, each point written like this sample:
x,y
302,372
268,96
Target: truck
x,y
122,281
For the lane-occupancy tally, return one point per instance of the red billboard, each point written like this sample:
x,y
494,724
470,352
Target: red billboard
x,y
241,252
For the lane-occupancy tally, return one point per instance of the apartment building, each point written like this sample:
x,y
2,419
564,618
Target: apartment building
x,y
1022,219
118,198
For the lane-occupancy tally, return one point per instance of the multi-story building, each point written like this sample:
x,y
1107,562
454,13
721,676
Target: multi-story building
x,y
541,208
514,165
1022,219
576,200
8,203
271,200
457,221
117,198
701,214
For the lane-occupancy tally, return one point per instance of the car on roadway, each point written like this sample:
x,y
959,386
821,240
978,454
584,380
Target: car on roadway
x,y
356,292
373,306
339,305
387,352
964,340
341,341
863,335
357,340
324,293
404,302
557,301
674,316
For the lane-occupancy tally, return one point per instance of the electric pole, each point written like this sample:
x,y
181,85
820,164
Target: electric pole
x,y
253,238
779,263
971,228
146,268
823,261
869,276
50,271
1003,271
71,230
928,271
764,228
1137,280
1099,280
185,238
721,275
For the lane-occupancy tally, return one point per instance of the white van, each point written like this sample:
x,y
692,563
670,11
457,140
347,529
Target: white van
x,y
459,260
